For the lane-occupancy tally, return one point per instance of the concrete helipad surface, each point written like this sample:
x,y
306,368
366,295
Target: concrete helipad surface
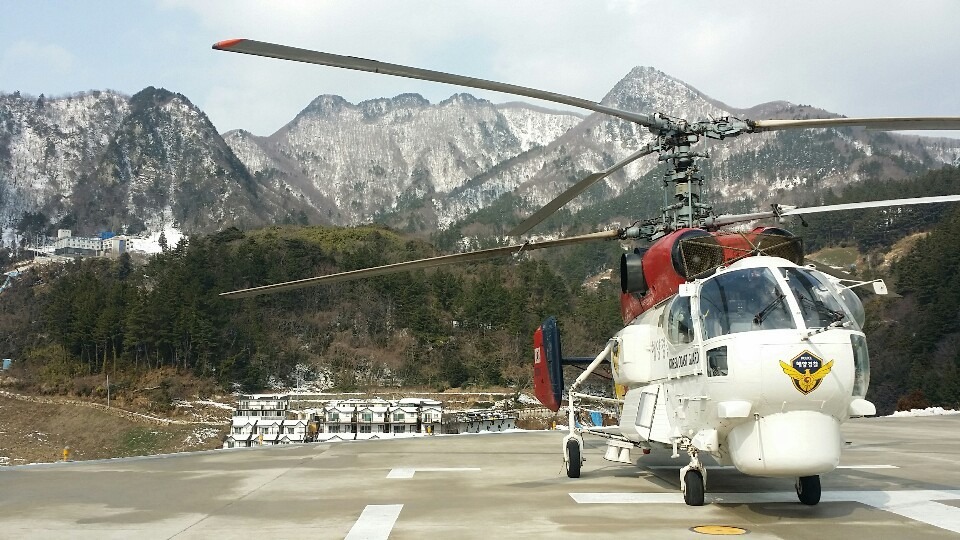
x,y
900,480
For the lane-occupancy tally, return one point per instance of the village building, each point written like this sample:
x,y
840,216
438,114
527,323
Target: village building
x,y
105,245
478,421
296,418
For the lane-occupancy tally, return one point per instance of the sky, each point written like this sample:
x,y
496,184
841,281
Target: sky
x,y
856,57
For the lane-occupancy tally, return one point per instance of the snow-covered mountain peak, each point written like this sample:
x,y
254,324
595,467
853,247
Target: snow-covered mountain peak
x,y
646,89
464,99
373,109
326,105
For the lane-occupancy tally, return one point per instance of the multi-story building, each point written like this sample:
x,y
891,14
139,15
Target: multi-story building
x,y
293,430
105,245
77,245
372,419
258,419
115,246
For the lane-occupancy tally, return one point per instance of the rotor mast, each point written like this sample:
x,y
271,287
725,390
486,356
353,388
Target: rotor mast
x,y
686,208
683,202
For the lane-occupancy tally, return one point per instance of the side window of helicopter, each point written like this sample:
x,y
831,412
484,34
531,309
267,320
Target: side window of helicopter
x,y
717,362
680,321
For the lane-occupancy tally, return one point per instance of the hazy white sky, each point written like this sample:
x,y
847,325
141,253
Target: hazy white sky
x,y
858,58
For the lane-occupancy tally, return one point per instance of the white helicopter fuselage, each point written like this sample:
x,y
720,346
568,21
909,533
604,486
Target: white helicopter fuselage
x,y
767,398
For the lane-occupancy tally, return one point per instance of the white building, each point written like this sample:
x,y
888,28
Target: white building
x,y
242,431
78,245
293,431
372,419
67,244
268,419
478,421
115,246
259,419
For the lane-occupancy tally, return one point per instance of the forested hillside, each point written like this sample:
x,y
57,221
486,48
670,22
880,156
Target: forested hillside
x,y
449,327
879,228
916,340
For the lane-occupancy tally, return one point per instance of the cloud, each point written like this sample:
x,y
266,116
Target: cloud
x,y
856,58
31,56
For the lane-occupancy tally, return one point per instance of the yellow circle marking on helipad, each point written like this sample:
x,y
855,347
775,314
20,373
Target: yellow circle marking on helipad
x,y
719,530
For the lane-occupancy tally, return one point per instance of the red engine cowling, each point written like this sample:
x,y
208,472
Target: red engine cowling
x,y
682,255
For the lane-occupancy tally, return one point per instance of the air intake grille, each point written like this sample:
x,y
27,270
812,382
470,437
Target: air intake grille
x,y
785,247
699,256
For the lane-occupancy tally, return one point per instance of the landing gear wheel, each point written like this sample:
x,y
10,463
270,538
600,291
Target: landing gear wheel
x,y
808,489
573,458
693,488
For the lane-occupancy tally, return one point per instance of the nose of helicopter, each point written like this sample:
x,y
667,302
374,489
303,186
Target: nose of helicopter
x,y
788,444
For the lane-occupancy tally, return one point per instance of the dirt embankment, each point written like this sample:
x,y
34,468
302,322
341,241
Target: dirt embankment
x,y
36,429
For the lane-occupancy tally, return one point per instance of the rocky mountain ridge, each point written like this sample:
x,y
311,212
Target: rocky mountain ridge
x,y
104,161
355,162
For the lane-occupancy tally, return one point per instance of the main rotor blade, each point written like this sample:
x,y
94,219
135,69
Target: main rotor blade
x,y
577,189
283,52
443,260
720,221
871,204
884,124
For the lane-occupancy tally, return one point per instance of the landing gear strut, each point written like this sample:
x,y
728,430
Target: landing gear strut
x,y
808,489
693,479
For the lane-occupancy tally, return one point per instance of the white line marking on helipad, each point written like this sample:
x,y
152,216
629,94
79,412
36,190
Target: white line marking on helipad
x,y
917,505
375,522
627,498
408,472
726,467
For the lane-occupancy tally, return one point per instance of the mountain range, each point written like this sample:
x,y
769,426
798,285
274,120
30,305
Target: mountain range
x,y
101,160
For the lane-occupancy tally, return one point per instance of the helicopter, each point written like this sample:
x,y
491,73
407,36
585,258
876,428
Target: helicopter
x,y
732,346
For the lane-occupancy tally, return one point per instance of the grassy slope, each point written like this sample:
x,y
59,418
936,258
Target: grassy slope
x,y
34,432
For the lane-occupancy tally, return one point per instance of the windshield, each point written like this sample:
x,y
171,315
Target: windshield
x,y
818,305
741,301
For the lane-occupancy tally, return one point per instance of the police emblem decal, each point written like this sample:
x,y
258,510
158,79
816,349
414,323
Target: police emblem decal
x,y
807,371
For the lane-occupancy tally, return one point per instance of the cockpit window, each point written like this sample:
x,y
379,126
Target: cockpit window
x,y
818,304
741,301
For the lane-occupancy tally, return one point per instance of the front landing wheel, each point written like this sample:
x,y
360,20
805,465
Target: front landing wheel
x,y
808,489
693,488
573,458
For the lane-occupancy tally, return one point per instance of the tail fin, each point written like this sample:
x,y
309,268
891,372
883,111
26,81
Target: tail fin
x,y
547,364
